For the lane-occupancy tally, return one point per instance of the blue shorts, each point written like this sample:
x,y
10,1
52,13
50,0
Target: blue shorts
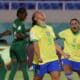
x,y
41,70
74,65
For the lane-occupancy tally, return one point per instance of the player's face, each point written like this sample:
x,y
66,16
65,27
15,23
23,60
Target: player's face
x,y
23,16
74,26
40,17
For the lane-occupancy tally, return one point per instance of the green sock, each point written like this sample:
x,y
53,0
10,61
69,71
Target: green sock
x,y
3,71
13,70
25,72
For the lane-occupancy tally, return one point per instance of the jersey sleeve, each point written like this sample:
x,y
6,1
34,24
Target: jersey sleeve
x,y
62,34
34,35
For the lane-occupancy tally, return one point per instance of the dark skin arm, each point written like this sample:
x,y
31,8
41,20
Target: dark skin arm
x,y
18,35
7,32
37,51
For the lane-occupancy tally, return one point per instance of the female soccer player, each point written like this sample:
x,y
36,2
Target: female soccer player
x,y
72,47
18,47
45,59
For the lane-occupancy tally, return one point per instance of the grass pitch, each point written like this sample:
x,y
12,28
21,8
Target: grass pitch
x,y
19,76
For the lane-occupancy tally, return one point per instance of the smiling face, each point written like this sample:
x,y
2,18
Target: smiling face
x,y
74,25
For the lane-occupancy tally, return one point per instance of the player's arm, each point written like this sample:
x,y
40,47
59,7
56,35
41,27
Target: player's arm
x,y
22,36
34,37
58,48
37,51
5,33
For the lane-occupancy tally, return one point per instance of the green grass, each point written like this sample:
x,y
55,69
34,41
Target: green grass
x,y
19,76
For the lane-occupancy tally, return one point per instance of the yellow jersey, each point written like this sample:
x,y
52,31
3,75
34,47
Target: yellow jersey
x,y
71,44
45,37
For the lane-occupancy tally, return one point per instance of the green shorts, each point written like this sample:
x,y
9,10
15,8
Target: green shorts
x,y
18,51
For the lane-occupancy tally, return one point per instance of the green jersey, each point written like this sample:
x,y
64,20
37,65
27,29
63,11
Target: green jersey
x,y
18,27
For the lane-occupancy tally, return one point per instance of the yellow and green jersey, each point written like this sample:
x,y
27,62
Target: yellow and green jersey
x,y
45,37
71,44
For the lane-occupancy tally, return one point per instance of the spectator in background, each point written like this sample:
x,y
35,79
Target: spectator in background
x,y
18,47
45,59
71,38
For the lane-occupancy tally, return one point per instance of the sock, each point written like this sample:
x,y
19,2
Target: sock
x,y
25,72
69,76
13,70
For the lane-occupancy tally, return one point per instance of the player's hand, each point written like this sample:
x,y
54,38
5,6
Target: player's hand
x,y
20,36
40,60
66,55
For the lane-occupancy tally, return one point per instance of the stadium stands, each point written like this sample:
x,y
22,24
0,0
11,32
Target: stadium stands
x,y
41,4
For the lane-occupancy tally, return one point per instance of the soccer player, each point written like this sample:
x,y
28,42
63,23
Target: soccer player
x,y
18,47
71,38
45,59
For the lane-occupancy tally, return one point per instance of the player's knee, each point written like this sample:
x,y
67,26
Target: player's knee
x,y
55,77
37,78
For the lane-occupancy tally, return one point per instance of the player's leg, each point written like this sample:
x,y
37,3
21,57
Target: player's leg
x,y
67,69
55,75
38,78
14,64
39,71
3,69
76,67
22,59
78,74
54,70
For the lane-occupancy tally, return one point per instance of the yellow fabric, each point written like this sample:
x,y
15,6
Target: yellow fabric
x,y
71,44
45,37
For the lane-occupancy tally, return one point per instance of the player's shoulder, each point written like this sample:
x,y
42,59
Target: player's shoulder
x,y
34,28
65,31
49,27
15,21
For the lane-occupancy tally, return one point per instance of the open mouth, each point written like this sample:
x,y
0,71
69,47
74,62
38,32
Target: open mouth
x,y
74,28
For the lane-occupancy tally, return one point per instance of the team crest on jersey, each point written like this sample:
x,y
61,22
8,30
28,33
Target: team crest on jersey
x,y
48,33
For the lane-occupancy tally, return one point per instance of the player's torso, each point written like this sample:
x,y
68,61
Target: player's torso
x,y
46,44
72,45
18,27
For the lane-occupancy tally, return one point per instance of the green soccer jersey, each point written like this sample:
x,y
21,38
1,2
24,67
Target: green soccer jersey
x,y
18,27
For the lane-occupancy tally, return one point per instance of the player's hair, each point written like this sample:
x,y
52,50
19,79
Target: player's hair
x,y
75,20
21,11
33,20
